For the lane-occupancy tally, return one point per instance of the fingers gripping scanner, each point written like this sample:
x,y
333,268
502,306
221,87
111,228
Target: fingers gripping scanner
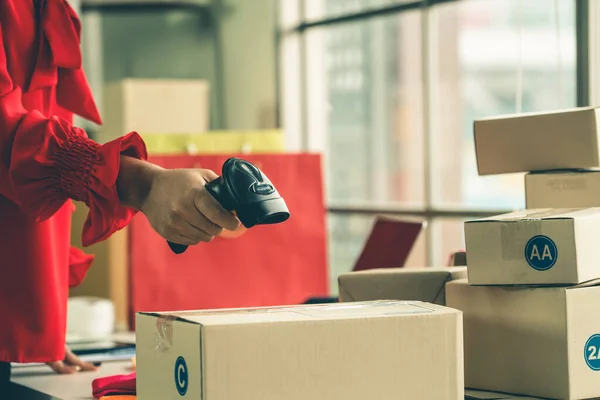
x,y
244,189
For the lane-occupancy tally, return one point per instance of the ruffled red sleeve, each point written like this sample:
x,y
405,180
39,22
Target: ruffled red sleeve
x,y
46,161
79,264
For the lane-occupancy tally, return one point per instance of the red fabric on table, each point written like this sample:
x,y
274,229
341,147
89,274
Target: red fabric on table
x,y
114,385
266,265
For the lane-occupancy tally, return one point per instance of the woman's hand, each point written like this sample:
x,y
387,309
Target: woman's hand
x,y
71,364
182,211
175,201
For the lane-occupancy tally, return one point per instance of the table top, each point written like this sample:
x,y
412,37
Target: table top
x,y
41,383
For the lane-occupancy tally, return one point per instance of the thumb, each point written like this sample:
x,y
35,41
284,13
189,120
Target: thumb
x,y
209,175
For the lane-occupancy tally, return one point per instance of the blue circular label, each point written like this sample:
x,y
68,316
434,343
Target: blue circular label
x,y
591,352
181,376
541,253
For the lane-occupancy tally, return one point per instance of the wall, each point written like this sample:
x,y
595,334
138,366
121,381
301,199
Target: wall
x,y
247,38
231,44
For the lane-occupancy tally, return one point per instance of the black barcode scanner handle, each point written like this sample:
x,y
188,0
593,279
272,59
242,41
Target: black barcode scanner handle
x,y
177,248
243,188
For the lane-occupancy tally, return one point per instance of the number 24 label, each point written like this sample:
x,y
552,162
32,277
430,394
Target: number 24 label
x,y
592,352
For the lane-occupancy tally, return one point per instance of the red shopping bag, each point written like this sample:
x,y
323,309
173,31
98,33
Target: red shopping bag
x,y
266,265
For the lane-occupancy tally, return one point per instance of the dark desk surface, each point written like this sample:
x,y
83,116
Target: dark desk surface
x,y
40,383
18,392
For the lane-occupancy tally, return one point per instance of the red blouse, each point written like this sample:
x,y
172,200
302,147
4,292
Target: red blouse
x,y
44,162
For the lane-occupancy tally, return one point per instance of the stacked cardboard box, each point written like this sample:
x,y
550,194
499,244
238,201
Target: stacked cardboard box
x,y
422,284
155,106
532,298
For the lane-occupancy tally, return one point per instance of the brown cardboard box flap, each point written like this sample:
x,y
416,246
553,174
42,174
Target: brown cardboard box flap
x,y
591,283
302,313
422,284
484,395
542,214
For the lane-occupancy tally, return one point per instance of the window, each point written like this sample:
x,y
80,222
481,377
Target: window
x,y
388,91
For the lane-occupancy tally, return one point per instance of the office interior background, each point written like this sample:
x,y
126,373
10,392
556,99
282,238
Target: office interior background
x,y
387,90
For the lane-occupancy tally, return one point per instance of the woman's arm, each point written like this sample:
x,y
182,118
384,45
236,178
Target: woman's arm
x,y
46,161
135,181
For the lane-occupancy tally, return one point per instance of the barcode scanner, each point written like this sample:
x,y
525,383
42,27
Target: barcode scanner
x,y
245,190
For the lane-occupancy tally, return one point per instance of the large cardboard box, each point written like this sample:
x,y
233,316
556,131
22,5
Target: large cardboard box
x,y
387,350
154,106
538,141
540,341
542,246
423,284
563,189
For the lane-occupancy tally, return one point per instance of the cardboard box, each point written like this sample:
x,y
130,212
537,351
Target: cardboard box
x,y
381,350
534,247
423,284
154,106
109,275
563,189
538,141
540,341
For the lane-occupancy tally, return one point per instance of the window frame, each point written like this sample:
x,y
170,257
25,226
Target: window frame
x,y
299,138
